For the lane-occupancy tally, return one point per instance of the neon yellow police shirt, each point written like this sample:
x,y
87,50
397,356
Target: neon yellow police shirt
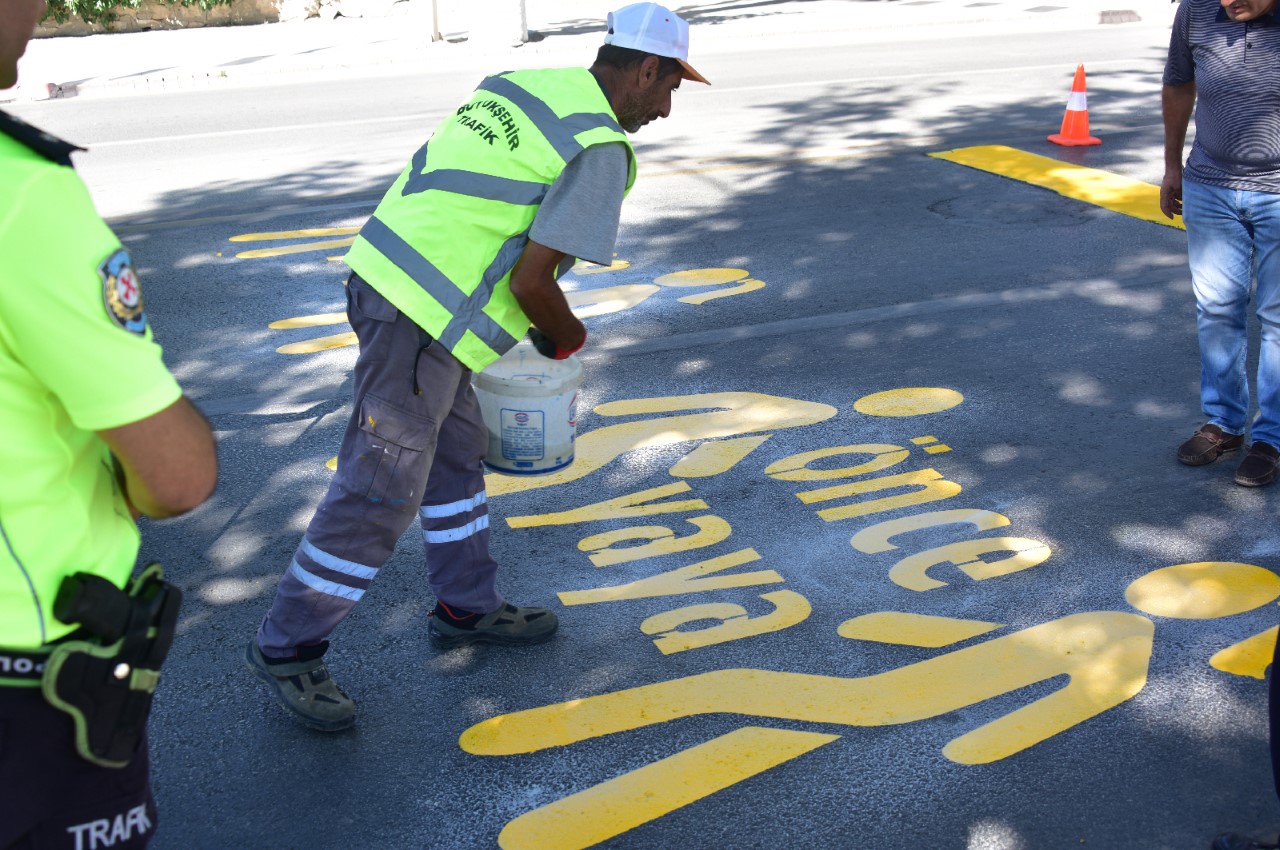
x,y
76,356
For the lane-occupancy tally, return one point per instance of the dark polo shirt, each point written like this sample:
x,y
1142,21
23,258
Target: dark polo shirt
x,y
1236,69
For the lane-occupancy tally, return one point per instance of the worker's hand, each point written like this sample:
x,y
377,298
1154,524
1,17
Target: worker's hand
x,y
1171,193
547,348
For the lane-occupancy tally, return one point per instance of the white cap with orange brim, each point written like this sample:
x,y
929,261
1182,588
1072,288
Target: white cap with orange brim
x,y
653,29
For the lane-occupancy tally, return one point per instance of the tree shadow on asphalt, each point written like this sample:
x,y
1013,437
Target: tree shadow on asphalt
x,y
1079,381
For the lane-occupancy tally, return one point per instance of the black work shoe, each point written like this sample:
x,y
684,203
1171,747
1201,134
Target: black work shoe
x,y
1207,445
1232,841
508,626
1260,466
304,689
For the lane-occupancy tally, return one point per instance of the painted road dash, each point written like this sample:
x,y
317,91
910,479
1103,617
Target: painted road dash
x,y
1091,185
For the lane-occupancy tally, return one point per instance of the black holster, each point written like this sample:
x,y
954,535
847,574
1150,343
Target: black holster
x,y
106,675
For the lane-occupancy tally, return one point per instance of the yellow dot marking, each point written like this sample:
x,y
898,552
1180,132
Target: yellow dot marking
x,y
905,629
920,441
309,321
908,401
295,234
332,463
611,808
320,343
702,277
282,250
1100,188
938,449
1204,590
1250,657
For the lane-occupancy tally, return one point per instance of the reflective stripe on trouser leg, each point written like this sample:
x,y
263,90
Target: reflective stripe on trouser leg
x,y
383,466
455,513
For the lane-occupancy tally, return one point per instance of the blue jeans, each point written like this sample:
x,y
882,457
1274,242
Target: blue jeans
x,y
1233,236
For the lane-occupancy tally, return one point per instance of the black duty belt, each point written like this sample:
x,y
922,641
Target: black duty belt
x,y
21,666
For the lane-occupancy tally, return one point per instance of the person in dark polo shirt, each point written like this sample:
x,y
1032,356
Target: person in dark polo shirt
x,y
1224,62
1228,53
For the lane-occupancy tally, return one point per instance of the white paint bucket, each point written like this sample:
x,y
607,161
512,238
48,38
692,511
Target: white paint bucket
x,y
530,407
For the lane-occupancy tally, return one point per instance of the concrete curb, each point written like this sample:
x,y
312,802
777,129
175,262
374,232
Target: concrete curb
x,y
283,52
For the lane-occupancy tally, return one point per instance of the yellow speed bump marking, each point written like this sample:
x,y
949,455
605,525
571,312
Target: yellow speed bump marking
x,y
1091,185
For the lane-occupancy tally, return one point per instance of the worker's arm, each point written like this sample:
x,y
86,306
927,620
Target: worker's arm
x,y
168,460
533,283
1176,105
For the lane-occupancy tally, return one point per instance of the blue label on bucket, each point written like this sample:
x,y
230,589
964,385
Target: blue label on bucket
x,y
523,435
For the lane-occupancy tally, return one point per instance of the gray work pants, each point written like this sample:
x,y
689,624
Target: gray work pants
x,y
405,453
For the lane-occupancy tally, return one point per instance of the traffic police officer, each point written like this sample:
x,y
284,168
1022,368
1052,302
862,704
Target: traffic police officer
x,y
458,260
96,431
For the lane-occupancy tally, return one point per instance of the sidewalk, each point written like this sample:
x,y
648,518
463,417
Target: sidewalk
x,y
400,41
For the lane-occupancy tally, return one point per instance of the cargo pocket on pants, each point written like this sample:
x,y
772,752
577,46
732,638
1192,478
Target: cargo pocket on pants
x,y
392,455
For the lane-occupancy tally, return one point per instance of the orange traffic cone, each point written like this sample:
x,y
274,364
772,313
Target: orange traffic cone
x,y
1075,124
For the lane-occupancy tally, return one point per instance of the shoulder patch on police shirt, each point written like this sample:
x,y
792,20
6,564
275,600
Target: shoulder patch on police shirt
x,y
48,146
121,292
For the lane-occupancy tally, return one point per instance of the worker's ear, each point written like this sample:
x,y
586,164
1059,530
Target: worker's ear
x,y
647,72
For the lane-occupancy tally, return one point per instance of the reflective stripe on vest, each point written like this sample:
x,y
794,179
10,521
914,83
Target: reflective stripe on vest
x,y
487,186
467,310
560,132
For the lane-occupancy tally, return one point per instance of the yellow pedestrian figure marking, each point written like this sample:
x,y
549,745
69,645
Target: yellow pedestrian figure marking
x,y
1091,185
1103,655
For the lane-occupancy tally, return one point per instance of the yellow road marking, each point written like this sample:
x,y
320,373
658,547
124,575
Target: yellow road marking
x,y
295,234
589,817
584,267
900,627
1249,657
320,343
1203,591
1091,185
281,250
309,321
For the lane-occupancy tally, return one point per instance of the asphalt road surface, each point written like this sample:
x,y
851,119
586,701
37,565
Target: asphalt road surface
x,y
875,536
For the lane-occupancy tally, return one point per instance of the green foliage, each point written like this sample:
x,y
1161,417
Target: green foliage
x,y
103,11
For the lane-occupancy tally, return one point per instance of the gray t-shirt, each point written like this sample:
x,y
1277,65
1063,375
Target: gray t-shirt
x,y
579,215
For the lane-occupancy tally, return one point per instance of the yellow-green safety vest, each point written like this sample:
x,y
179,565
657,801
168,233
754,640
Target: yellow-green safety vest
x,y
445,260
